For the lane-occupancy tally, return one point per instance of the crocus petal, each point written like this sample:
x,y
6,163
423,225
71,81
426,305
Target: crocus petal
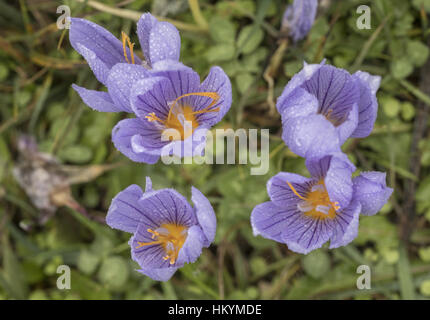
x,y
162,274
281,194
183,79
217,81
168,206
99,47
345,227
122,137
311,135
337,177
97,100
371,191
121,78
192,248
305,234
144,25
299,18
335,90
346,128
152,95
270,221
296,81
159,40
205,215
298,103
125,213
368,105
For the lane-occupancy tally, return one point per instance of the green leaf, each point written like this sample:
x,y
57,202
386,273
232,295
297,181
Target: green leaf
x,y
249,39
114,272
316,264
417,52
76,154
88,262
222,30
404,275
401,68
243,81
390,105
220,52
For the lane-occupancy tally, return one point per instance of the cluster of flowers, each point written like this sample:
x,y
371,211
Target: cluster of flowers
x,y
165,96
320,107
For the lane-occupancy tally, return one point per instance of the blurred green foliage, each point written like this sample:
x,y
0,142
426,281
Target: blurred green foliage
x,y
37,68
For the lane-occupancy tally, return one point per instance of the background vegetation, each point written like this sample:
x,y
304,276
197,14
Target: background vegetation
x,y
37,68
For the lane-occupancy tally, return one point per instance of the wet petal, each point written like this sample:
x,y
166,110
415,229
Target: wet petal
x,y
192,248
371,191
120,80
128,137
205,215
97,100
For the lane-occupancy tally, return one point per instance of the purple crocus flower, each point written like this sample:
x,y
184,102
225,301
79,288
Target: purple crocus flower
x,y
167,97
371,191
299,18
322,106
304,213
173,110
167,231
102,50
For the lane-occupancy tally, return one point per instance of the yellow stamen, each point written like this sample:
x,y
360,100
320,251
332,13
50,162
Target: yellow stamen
x,y
317,200
172,120
213,95
171,237
295,192
126,38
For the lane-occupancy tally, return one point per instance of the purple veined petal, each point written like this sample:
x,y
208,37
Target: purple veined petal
x,y
373,81
125,213
337,175
192,248
159,40
298,103
122,137
371,191
121,78
168,206
217,81
97,100
205,215
367,105
162,274
270,221
346,128
144,25
336,91
305,234
152,95
99,47
164,43
345,225
299,18
148,256
310,136
296,81
183,79
281,194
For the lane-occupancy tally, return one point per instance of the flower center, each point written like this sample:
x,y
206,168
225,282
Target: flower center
x,y
182,117
125,38
171,237
317,203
